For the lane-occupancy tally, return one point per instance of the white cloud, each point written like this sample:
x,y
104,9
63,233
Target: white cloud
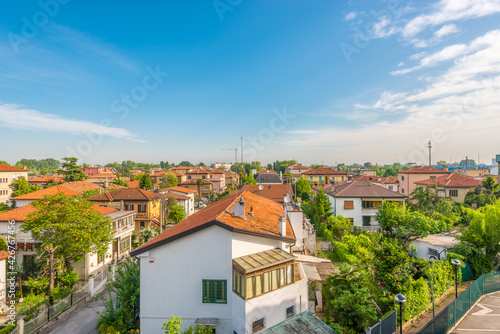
x,y
351,16
381,29
490,40
449,11
18,117
459,103
445,30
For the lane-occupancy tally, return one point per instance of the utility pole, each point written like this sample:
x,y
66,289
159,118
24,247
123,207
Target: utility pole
x,y
242,152
430,160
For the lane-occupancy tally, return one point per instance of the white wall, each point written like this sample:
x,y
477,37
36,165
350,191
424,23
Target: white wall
x,y
22,202
422,249
272,306
355,213
3,282
172,285
244,244
296,218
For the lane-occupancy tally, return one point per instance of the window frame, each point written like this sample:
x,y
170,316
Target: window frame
x,y
205,295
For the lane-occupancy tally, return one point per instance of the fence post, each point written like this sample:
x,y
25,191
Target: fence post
x,y
380,326
482,283
71,298
20,324
91,286
48,313
469,297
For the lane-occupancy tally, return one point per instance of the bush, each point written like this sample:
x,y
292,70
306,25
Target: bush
x,y
32,303
67,279
8,329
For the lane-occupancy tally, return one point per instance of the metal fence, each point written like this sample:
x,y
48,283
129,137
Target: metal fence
x,y
448,317
56,309
386,325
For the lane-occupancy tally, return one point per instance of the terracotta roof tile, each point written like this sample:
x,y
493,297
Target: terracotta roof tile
x,y
181,190
81,186
4,255
20,214
363,189
47,179
124,194
452,180
324,171
193,182
7,168
424,170
47,191
267,171
265,219
134,184
275,192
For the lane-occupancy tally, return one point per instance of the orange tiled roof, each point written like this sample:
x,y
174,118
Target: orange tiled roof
x,y
452,180
424,170
47,191
217,171
181,190
275,192
367,178
389,179
181,168
4,255
193,182
198,171
17,214
297,167
81,186
7,168
20,214
363,189
264,221
124,194
102,175
46,179
324,171
134,184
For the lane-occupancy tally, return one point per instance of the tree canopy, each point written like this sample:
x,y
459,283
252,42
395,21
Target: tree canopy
x,y
72,171
169,180
21,186
145,182
67,228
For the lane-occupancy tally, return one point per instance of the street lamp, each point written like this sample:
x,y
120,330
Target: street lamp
x,y
432,296
456,263
400,299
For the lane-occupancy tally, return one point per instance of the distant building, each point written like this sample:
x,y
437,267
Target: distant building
x,y
452,185
408,177
324,175
359,201
9,174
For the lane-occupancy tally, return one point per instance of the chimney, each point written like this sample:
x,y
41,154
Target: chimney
x,y
283,226
299,202
242,204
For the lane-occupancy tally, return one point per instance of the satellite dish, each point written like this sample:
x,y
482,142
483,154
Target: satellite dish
x,y
261,187
287,199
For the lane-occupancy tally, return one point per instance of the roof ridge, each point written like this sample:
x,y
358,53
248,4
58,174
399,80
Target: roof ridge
x,y
348,185
235,200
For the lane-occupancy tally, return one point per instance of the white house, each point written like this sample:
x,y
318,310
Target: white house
x,y
184,196
229,266
358,201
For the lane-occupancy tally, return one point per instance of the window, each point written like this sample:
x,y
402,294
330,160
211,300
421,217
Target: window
x,y
129,207
142,224
290,311
367,220
310,178
189,177
257,325
124,245
453,193
214,291
348,205
402,191
320,179
402,178
257,284
142,208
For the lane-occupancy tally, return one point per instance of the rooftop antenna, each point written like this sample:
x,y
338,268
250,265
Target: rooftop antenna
x,y
241,151
430,146
235,165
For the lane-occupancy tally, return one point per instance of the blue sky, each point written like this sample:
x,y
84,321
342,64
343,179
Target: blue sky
x,y
321,82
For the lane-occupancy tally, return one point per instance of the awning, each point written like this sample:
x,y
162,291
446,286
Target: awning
x,y
261,260
212,322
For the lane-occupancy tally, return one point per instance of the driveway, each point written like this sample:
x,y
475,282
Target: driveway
x,y
80,321
484,318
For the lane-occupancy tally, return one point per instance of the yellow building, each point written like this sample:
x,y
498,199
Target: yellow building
x,y
9,174
453,185
324,175
145,203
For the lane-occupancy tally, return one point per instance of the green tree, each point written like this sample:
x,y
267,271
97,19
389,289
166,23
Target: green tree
x,y
441,163
173,326
185,164
72,171
303,189
316,166
389,171
4,207
21,186
177,213
322,206
339,226
119,312
120,182
169,180
3,162
67,228
248,179
145,182
469,162
199,183
484,195
3,244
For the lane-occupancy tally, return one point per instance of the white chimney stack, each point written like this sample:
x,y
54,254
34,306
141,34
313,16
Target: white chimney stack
x,y
283,226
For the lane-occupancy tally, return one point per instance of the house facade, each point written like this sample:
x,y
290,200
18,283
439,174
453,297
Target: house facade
x,y
324,175
144,202
408,177
359,201
454,186
205,189
240,278
296,171
184,196
9,174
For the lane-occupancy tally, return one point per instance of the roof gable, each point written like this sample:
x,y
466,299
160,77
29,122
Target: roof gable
x,y
364,189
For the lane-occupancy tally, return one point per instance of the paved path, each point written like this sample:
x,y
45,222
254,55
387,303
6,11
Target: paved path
x,y
484,318
80,321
